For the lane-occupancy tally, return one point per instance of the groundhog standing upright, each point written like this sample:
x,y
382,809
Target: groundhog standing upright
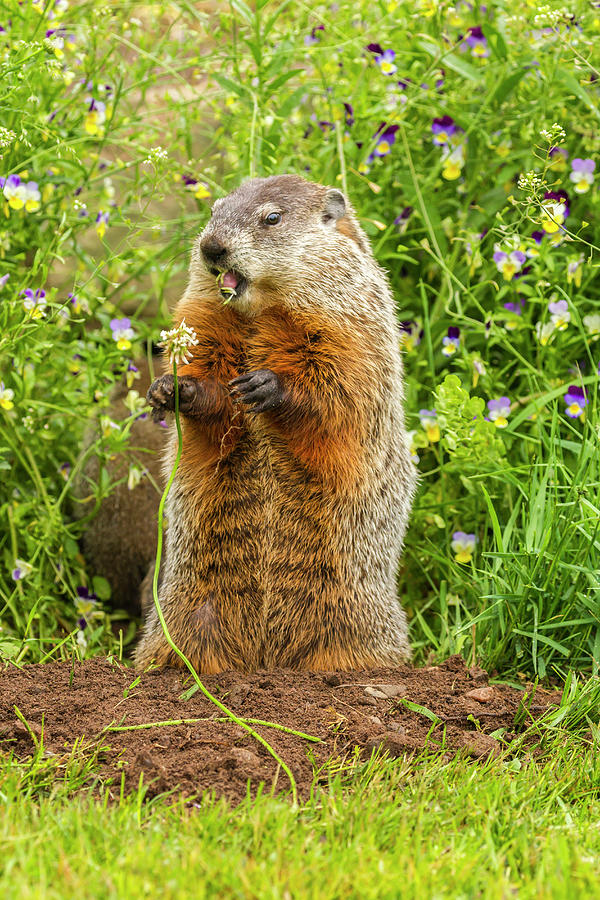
x,y
286,518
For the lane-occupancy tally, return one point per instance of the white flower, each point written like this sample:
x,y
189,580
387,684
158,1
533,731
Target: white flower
x,y
544,332
592,323
135,476
529,181
6,397
177,343
554,135
410,443
21,570
547,17
156,154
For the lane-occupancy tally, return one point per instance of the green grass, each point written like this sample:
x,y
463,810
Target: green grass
x,y
424,829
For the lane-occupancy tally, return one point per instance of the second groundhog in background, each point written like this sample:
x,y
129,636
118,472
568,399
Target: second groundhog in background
x,y
287,515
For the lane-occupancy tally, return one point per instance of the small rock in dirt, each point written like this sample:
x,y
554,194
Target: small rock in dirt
x,y
397,727
454,663
482,694
375,692
392,690
375,720
243,758
393,743
22,729
369,700
332,679
477,673
145,761
238,693
479,745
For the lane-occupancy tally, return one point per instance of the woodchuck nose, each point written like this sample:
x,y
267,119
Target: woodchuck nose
x,y
286,518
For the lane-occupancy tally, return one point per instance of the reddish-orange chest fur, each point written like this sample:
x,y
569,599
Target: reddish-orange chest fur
x,y
324,368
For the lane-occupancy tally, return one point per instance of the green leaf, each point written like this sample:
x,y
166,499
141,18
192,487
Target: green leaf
x,y
496,41
281,79
571,83
421,710
244,11
507,86
451,61
101,587
233,86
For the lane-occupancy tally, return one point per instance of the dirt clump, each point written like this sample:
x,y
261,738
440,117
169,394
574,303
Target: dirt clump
x,y
399,710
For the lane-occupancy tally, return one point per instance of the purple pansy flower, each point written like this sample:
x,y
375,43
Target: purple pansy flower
x,y
555,209
21,570
443,129
515,306
411,334
402,220
35,302
451,341
558,158
122,333
576,401
101,223
463,545
477,41
582,174
499,410
87,607
509,263
313,38
386,136
385,61
560,314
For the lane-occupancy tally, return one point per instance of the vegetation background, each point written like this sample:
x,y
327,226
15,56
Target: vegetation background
x,y
466,138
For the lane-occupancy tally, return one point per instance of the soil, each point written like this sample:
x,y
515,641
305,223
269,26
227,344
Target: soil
x,y
346,710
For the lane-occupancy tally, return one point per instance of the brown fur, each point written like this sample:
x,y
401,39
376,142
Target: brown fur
x,y
284,527
120,541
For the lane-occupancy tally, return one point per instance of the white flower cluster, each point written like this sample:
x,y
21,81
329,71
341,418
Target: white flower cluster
x,y
548,17
177,342
556,134
6,137
530,182
156,154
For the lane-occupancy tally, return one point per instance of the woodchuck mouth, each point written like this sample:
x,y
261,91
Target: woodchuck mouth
x,y
231,284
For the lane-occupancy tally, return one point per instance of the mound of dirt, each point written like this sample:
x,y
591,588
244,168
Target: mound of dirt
x,y
401,710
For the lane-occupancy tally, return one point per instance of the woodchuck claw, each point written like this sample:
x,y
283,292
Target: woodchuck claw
x,y
262,390
196,396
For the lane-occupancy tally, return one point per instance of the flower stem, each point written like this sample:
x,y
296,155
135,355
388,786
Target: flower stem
x,y
300,734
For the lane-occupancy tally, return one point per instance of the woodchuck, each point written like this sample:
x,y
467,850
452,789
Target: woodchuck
x,y
286,518
120,541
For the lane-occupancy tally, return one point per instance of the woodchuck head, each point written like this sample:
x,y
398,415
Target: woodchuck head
x,y
274,238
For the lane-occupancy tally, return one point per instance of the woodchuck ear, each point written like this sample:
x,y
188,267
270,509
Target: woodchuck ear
x,y
334,208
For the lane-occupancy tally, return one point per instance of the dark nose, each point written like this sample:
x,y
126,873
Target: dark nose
x,y
213,250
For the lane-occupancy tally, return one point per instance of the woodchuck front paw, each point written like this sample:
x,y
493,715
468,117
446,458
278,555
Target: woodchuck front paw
x,y
262,390
161,396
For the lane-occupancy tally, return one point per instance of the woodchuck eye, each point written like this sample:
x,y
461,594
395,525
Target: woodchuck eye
x,y
273,218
